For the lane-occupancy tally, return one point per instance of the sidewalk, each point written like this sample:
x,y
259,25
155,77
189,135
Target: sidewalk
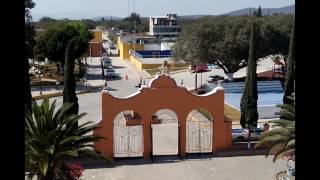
x,y
141,73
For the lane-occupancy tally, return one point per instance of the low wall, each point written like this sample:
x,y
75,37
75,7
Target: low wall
x,y
151,63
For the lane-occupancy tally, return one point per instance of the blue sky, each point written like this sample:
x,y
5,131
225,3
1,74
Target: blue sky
x,y
92,8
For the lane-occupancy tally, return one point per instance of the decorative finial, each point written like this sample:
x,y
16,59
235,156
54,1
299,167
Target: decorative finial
x,y
163,69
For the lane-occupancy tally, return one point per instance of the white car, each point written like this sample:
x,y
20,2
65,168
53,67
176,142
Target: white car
x,y
109,67
214,78
243,134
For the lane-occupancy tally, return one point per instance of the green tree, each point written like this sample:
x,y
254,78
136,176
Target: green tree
x,y
29,45
69,91
53,42
45,22
258,13
91,24
289,83
51,137
280,141
134,21
224,40
248,105
65,43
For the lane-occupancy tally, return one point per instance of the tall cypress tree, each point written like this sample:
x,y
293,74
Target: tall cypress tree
x,y
259,13
69,91
289,83
248,105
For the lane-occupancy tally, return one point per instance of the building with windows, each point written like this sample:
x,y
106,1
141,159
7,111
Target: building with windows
x,y
150,50
164,27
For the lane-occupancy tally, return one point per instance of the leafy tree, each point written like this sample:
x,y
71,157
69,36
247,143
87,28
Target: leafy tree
x,y
53,42
45,22
276,31
134,21
91,24
29,45
289,84
65,43
280,141
224,40
248,105
51,137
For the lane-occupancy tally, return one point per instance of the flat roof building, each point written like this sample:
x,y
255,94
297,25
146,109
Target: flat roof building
x,y
164,27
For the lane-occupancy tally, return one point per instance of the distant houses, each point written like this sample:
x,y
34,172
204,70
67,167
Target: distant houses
x,y
95,45
151,49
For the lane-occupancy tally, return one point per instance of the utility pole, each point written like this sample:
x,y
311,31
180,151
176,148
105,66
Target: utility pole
x,y
134,26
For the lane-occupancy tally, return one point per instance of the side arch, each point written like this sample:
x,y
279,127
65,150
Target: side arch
x,y
199,131
127,140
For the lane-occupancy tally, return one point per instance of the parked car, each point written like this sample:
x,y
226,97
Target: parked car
x,y
214,78
106,62
112,47
109,67
243,134
110,73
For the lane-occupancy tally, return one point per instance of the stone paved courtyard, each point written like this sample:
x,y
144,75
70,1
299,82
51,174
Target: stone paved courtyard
x,y
171,168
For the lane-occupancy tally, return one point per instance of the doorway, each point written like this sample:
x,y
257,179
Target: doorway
x,y
165,133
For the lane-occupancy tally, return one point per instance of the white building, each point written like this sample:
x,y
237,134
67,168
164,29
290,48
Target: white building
x,y
164,27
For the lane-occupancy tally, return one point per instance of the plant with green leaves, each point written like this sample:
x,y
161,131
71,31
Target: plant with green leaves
x,y
51,137
280,141
289,83
248,105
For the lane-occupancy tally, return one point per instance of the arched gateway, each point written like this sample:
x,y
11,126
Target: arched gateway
x,y
163,93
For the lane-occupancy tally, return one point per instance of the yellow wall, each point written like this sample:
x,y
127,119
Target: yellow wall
x,y
125,47
138,64
97,36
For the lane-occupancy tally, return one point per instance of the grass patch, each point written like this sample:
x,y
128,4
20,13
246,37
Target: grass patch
x,y
157,70
232,113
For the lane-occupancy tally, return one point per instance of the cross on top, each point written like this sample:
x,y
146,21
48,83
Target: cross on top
x,y
163,69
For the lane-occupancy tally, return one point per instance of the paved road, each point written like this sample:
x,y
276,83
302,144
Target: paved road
x,y
226,168
91,102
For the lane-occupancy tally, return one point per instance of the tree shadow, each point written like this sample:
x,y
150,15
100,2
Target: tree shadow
x,y
114,79
118,67
165,159
94,66
94,76
133,161
111,89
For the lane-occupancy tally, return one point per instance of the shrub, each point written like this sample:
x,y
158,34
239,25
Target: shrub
x,y
73,171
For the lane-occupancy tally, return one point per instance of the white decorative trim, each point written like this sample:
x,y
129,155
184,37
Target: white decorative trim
x,y
210,92
157,76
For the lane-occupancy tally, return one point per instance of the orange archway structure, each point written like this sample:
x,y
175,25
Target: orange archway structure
x,y
162,93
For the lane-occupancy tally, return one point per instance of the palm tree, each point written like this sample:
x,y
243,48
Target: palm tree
x,y
280,141
52,137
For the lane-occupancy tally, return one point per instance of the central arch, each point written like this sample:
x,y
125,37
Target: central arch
x,y
165,133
